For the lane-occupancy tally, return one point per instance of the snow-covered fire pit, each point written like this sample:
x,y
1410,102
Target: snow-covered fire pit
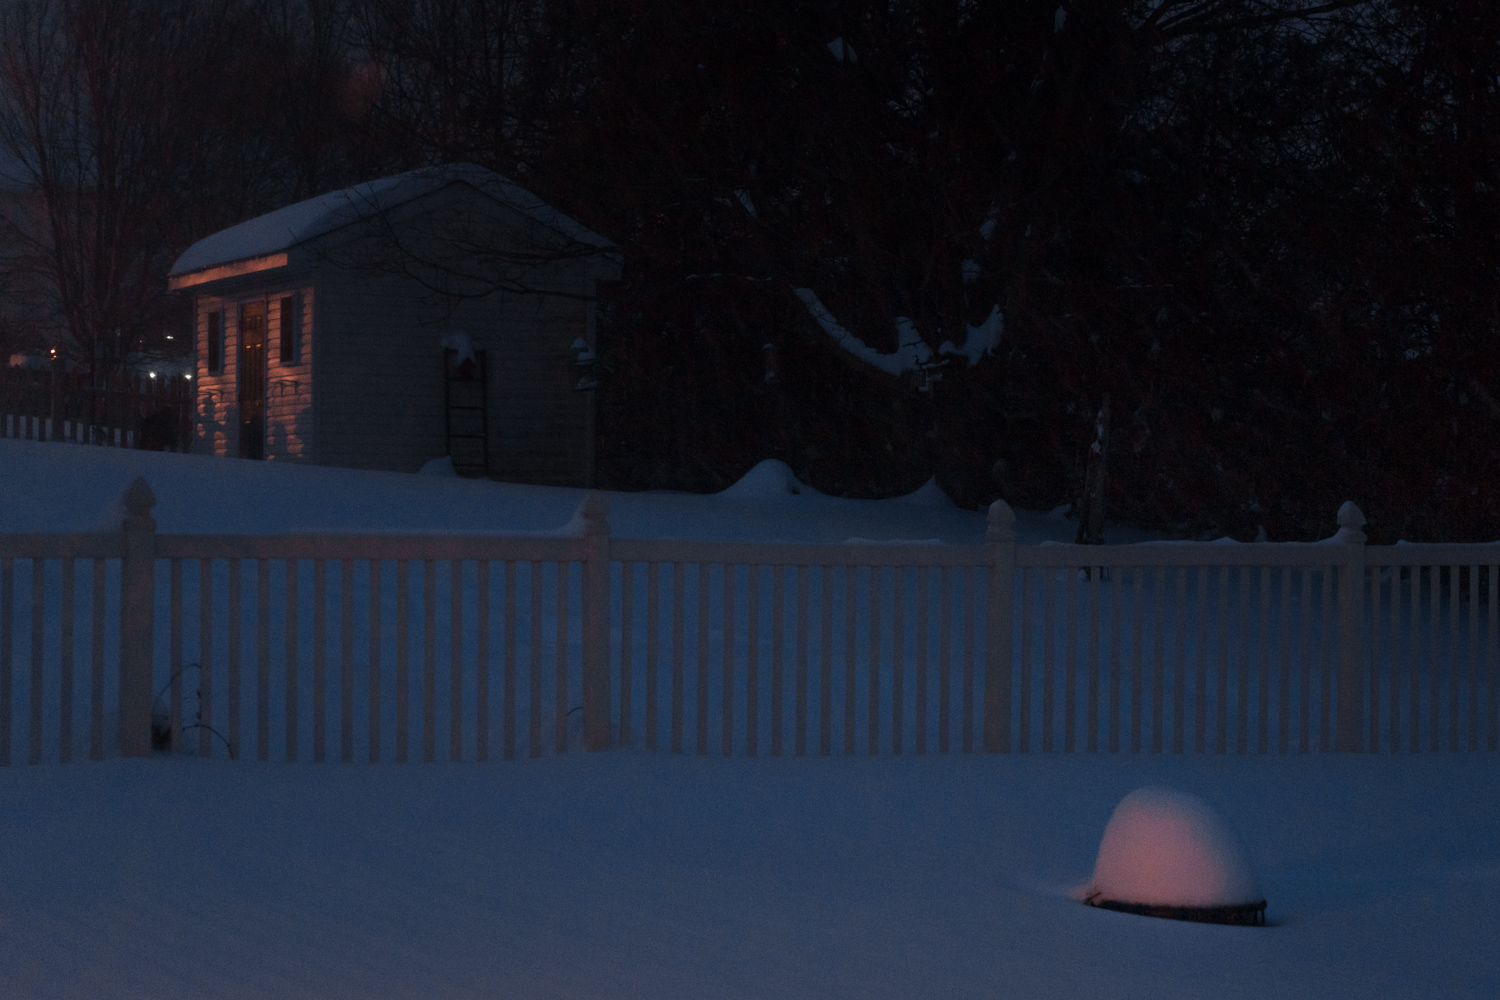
x,y
1170,854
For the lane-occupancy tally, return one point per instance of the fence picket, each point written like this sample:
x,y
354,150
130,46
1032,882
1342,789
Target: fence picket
x,y
455,660
1221,684
96,677
508,709
375,681
1025,590
1450,663
1179,663
1091,721
876,595
262,659
346,659
403,660
898,657
232,699
38,612
1374,673
205,651
1159,661
922,657
701,722
778,651
174,655
1393,658
1413,661
481,660
1284,666
825,655
627,647
429,660
1304,703
65,688
1263,665
1070,618
1325,664
1117,585
1242,668
726,692
534,647
945,658
293,655
1472,664
560,682
1494,658
678,666
851,597
7,641
800,666
1200,665
320,658
752,661
653,628
1049,643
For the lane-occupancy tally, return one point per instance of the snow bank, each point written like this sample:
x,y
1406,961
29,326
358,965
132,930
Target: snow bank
x,y
771,478
1169,848
929,494
439,467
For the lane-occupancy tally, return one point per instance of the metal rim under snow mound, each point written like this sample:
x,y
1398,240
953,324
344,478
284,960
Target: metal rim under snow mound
x,y
1239,914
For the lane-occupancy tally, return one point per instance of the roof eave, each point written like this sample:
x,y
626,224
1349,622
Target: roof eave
x,y
218,272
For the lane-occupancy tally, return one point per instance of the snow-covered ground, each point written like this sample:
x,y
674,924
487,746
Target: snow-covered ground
x,y
632,873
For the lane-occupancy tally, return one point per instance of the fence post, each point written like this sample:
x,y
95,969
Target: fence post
x,y
998,627
137,619
1350,734
596,701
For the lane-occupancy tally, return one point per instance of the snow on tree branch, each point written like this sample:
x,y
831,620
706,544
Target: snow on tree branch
x,y
910,356
978,340
913,355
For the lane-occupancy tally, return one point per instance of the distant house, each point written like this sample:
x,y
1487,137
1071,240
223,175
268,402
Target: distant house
x,y
441,311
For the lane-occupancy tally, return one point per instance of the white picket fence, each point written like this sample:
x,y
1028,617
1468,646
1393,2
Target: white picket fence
x,y
350,646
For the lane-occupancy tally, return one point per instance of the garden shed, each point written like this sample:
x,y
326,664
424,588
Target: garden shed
x,y
444,311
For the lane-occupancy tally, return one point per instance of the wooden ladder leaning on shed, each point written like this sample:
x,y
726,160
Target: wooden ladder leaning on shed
x,y
466,413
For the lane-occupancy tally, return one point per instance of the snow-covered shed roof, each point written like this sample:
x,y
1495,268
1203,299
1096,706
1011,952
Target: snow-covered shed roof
x,y
289,227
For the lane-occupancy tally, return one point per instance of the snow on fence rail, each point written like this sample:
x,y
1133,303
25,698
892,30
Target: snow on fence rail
x,y
353,646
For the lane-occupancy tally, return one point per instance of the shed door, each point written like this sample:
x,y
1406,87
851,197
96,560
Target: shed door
x,y
252,378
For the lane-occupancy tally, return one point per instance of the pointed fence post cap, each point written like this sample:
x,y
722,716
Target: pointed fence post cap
x,y
139,500
1351,519
594,510
1002,523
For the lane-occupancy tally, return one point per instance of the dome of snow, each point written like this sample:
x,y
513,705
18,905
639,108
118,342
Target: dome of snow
x,y
771,478
1169,848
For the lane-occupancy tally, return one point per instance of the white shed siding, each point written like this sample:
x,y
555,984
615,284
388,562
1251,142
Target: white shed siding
x,y
380,389
216,431
288,387
380,379
289,412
